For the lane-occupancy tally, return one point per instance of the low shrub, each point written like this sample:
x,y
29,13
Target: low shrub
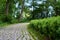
x,y
8,19
49,27
5,18
14,21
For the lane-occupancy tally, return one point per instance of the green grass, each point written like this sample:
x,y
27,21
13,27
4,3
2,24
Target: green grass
x,y
3,25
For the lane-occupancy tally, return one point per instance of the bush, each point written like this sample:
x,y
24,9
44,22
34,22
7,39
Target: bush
x,y
49,27
5,18
14,21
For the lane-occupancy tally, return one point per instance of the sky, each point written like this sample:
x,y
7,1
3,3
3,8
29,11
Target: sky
x,y
30,1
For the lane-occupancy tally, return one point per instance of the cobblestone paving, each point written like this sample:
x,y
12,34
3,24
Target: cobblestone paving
x,y
15,32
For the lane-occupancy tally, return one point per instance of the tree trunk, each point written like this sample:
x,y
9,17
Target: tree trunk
x,y
7,7
22,9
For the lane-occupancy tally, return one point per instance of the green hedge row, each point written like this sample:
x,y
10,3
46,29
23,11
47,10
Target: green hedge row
x,y
49,27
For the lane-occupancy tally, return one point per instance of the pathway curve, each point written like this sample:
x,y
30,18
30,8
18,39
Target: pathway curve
x,y
15,32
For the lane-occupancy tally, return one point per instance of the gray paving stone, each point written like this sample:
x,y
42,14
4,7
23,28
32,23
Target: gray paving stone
x,y
15,32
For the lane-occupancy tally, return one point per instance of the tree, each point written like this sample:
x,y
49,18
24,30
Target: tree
x,y
9,5
22,8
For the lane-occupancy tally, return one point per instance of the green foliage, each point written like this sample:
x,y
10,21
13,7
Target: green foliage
x,y
57,8
24,20
8,19
49,27
2,6
14,21
5,18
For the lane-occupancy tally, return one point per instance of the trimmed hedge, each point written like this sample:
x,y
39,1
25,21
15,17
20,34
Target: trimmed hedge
x,y
49,27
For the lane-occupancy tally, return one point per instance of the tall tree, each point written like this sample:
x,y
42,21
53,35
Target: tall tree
x,y
22,8
7,7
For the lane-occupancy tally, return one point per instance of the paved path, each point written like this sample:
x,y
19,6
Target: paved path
x,y
15,32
